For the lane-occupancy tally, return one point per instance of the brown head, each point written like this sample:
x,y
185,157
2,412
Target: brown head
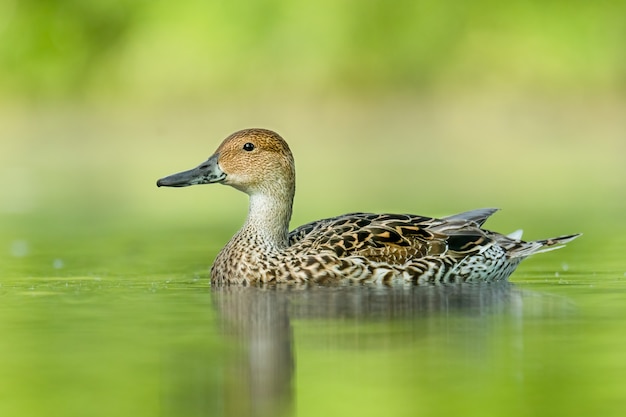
x,y
251,160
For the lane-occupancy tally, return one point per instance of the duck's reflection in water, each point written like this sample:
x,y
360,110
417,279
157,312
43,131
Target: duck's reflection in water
x,y
260,379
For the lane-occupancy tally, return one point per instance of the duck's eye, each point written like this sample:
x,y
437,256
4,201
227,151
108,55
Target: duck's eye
x,y
248,147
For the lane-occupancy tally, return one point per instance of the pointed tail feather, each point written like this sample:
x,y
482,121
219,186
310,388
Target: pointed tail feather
x,y
543,245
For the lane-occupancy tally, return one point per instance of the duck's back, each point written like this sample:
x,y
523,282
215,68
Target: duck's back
x,y
394,238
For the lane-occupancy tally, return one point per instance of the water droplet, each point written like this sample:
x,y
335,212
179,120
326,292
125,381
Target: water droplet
x,y
565,266
57,263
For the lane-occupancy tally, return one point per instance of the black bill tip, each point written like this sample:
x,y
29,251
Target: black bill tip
x,y
176,180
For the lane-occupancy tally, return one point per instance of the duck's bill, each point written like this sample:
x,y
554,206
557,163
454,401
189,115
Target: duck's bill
x,y
206,173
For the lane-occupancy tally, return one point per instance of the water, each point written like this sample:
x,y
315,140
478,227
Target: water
x,y
166,346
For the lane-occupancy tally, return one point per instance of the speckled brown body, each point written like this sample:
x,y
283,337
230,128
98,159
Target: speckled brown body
x,y
357,247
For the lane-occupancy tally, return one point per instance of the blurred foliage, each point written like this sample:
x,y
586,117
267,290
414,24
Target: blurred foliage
x,y
95,48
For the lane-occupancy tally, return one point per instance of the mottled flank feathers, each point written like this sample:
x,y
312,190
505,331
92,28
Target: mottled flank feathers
x,y
356,247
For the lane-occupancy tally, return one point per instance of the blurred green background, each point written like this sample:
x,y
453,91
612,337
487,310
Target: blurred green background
x,y
197,50
429,107
426,107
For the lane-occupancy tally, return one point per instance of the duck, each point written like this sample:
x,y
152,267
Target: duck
x,y
364,248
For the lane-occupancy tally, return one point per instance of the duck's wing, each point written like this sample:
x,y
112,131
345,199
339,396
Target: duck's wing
x,y
478,216
393,238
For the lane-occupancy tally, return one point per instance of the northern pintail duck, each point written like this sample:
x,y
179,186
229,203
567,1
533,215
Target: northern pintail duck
x,y
356,247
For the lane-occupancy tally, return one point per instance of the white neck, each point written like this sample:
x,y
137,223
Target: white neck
x,y
268,218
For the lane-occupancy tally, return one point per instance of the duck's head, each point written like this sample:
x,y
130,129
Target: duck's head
x,y
251,160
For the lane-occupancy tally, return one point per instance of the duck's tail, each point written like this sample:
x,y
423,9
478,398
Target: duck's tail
x,y
513,244
524,249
